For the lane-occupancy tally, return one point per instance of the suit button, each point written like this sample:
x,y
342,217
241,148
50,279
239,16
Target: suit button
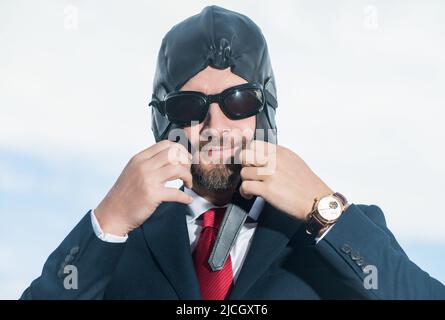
x,y
74,250
346,248
360,262
355,255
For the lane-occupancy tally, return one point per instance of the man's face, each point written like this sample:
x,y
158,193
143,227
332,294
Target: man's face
x,y
218,138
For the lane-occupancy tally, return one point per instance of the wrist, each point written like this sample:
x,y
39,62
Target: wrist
x,y
325,213
313,201
109,223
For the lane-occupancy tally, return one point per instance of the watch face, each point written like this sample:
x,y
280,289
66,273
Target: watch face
x,y
329,208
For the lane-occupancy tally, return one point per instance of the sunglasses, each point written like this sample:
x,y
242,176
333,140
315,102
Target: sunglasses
x,y
238,102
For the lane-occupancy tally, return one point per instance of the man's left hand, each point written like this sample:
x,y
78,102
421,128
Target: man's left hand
x,y
281,177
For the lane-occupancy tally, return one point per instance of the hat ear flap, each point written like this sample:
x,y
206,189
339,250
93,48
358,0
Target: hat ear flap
x,y
265,120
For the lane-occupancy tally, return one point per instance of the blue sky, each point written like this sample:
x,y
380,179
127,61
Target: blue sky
x,y
367,75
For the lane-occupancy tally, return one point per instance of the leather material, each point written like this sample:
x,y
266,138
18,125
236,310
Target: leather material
x,y
234,218
219,38
230,227
314,225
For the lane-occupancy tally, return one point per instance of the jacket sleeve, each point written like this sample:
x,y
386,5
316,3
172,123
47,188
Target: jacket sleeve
x,y
80,267
365,252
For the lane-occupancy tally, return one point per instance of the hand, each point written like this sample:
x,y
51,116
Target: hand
x,y
281,177
140,188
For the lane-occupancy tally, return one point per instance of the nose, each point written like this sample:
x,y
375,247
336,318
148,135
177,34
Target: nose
x,y
217,120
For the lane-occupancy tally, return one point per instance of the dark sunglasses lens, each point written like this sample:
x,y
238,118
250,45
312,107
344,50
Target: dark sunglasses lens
x,y
244,103
183,109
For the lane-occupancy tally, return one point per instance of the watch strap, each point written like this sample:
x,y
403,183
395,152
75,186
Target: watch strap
x,y
313,225
341,197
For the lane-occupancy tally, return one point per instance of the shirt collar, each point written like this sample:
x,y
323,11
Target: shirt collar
x,y
200,205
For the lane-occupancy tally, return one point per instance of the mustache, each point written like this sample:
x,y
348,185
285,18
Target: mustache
x,y
223,142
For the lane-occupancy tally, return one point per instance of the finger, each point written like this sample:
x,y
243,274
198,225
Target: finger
x,y
252,188
175,195
251,173
257,153
253,158
263,146
172,155
173,172
178,154
152,150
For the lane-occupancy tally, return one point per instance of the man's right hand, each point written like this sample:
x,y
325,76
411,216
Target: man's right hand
x,y
140,188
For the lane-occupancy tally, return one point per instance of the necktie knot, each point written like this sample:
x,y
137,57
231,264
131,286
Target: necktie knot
x,y
213,217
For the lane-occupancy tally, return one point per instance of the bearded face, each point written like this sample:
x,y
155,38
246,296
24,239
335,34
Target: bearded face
x,y
216,166
218,140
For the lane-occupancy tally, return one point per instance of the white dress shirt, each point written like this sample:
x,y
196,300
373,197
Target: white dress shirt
x,y
198,207
242,243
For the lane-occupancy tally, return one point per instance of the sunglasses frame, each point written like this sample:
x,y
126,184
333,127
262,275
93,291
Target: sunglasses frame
x,y
218,98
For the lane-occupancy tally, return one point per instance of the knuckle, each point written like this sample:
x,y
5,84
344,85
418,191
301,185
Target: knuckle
x,y
135,158
172,155
164,143
181,147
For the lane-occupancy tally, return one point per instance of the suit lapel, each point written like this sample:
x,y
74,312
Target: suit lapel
x,y
166,235
273,232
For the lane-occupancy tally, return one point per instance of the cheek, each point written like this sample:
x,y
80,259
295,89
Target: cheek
x,y
193,133
247,126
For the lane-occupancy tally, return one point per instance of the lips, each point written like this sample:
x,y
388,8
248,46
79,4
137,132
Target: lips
x,y
217,150
221,151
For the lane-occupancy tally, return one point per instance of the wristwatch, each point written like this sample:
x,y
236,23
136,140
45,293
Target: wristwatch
x,y
325,212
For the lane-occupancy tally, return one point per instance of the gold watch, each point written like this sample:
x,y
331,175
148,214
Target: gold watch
x,y
325,212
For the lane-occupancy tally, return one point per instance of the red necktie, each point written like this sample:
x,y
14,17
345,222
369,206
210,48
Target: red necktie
x,y
215,285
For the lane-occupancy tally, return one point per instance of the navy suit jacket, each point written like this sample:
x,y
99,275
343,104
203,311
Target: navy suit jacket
x,y
283,262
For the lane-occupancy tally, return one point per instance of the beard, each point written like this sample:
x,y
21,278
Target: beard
x,y
219,177
216,177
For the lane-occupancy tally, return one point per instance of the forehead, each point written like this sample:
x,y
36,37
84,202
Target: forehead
x,y
211,81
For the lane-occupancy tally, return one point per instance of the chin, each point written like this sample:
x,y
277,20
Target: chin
x,y
216,177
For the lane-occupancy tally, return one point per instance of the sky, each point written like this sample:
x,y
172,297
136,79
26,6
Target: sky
x,y
360,92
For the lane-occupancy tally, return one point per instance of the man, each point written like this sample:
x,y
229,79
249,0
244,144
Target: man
x,y
298,239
